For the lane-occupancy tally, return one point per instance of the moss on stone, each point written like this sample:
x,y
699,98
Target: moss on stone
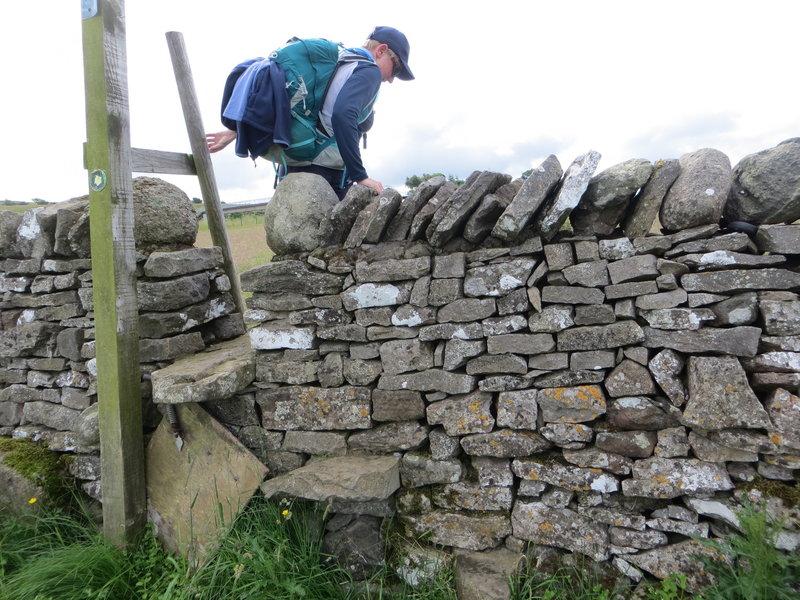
x,y
38,464
789,494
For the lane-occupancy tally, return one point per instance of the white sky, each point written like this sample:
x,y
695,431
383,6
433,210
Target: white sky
x,y
499,85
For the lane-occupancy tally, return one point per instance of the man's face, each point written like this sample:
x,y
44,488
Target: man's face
x,y
387,62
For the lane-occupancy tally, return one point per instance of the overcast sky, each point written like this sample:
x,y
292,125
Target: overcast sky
x,y
499,84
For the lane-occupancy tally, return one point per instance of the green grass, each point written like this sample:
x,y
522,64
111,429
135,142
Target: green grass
x,y
273,550
580,582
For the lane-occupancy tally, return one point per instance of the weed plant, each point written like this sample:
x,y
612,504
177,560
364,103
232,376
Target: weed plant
x,y
754,569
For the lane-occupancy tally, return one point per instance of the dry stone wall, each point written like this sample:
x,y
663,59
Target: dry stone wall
x,y
47,347
604,394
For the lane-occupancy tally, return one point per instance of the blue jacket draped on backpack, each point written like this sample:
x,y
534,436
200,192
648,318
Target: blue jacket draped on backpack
x,y
255,105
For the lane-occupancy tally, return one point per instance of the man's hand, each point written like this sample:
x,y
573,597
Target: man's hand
x,y
375,186
217,141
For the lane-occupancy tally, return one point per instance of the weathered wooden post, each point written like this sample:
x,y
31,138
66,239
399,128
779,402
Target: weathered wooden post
x,y
202,159
108,160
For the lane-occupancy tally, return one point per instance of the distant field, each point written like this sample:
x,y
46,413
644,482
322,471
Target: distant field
x,y
247,238
18,208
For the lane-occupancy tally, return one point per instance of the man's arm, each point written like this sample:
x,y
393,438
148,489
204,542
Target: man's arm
x,y
356,94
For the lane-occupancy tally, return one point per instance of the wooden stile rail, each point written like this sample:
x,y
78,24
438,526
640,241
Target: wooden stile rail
x,y
111,162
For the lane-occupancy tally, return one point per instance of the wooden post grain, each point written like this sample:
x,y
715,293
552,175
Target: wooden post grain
x,y
108,160
202,159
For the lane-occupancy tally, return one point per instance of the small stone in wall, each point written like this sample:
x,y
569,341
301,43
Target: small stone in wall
x,y
572,404
505,443
562,528
468,531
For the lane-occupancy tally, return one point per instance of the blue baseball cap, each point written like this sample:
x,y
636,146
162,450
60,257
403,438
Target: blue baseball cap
x,y
398,43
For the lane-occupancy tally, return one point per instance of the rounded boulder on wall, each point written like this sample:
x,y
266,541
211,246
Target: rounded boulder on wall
x,y
164,217
294,220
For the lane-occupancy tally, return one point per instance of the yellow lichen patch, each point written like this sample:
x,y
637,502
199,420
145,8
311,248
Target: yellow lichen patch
x,y
776,438
547,526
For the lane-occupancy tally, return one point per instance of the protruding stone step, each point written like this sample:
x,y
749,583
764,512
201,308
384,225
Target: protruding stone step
x,y
218,373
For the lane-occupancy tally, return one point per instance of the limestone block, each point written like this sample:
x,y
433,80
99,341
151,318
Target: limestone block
x,y
195,494
400,356
485,575
520,343
608,196
647,203
473,496
216,374
315,409
766,186
573,184
182,262
698,194
468,531
562,528
463,415
392,270
778,239
372,221
572,404
504,443
598,337
389,437
635,444
669,478
735,341
640,413
577,479
400,225
346,478
498,279
418,469
595,458
588,273
517,409
367,295
432,380
720,396
534,191
290,277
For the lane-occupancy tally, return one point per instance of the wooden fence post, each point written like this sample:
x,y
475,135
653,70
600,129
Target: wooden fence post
x,y
108,160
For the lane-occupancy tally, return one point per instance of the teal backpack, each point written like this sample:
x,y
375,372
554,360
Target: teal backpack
x,y
309,65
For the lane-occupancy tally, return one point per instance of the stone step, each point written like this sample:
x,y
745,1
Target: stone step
x,y
218,373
